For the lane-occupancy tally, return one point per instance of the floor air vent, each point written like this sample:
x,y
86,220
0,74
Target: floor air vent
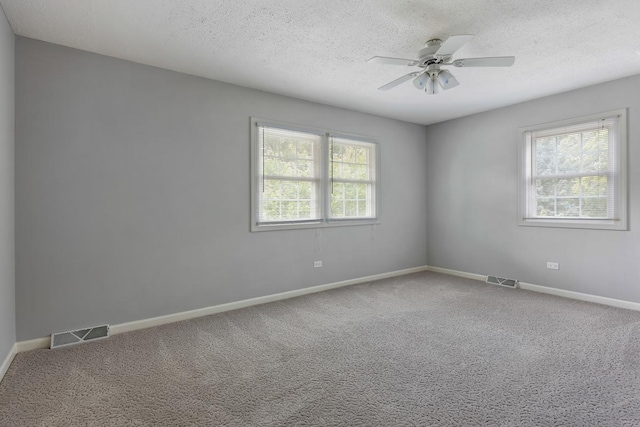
x,y
509,283
63,339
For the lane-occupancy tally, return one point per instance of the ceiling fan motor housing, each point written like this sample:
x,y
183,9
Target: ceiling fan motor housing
x,y
427,54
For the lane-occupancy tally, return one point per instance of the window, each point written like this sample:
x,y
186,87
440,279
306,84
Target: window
x,y
290,172
306,177
353,178
574,174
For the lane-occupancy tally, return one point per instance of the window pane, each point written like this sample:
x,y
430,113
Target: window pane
x,y
287,168
362,191
305,190
271,165
546,147
284,200
350,191
603,139
568,207
338,190
305,209
304,168
568,187
364,208
350,208
545,207
289,190
342,171
545,187
336,152
289,210
362,156
361,172
287,153
271,189
304,150
350,161
350,171
288,148
594,207
590,141
545,156
568,155
594,185
351,200
604,161
591,162
545,165
592,190
349,154
337,208
272,210
271,147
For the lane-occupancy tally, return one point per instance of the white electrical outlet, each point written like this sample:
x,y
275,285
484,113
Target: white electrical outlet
x,y
317,264
553,265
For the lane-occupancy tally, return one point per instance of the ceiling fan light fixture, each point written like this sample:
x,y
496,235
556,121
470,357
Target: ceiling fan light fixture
x,y
446,80
421,81
432,86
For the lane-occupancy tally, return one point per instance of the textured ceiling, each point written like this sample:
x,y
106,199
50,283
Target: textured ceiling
x,y
317,50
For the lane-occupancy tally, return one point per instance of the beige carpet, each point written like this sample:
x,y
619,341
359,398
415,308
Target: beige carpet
x,y
418,350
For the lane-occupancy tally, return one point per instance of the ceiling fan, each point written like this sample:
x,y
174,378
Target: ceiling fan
x,y
432,57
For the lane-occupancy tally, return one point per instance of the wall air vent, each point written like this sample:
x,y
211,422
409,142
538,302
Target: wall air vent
x,y
501,281
79,336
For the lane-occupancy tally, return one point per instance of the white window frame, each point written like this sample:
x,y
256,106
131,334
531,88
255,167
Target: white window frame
x,y
527,186
325,179
373,181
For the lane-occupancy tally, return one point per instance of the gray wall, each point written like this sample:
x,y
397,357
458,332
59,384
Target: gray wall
x,y
472,186
7,276
132,188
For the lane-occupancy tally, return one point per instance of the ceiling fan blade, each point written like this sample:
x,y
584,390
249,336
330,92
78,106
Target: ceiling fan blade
x,y
452,44
398,81
498,61
393,61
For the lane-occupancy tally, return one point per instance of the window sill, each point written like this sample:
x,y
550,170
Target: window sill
x,y
319,224
580,224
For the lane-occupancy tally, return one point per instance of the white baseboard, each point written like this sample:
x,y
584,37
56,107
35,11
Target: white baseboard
x,y
33,344
629,305
206,311
7,361
457,273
